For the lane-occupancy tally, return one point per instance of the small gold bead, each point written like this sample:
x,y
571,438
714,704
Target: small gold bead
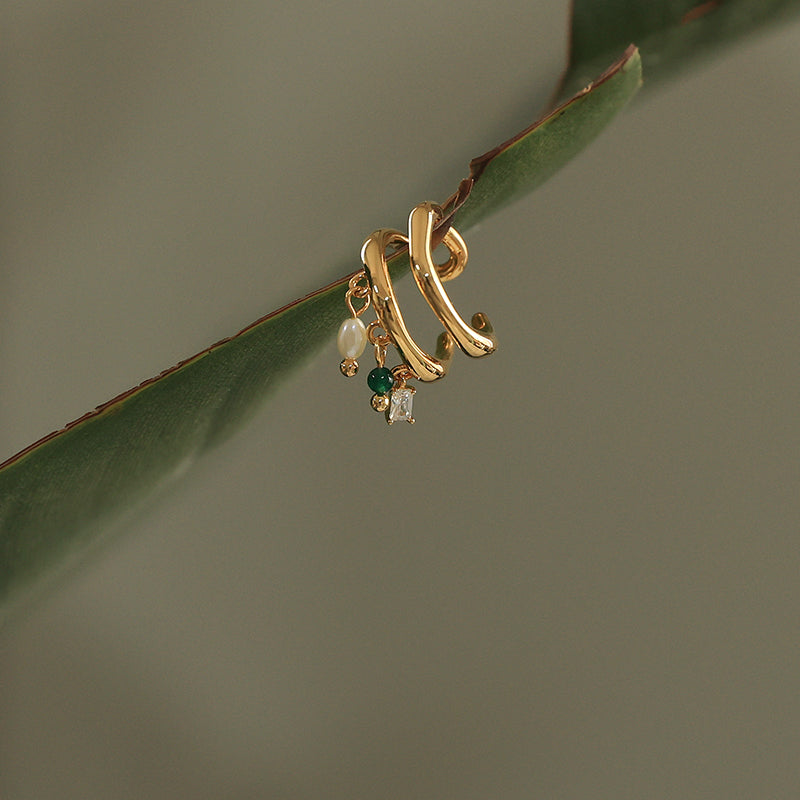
x,y
349,367
380,402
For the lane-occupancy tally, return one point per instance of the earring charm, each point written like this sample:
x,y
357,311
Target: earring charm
x,y
373,286
352,338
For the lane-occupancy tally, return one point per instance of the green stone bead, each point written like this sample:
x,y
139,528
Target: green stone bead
x,y
380,380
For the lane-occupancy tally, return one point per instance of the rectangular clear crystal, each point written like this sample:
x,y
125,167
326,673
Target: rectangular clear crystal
x,y
402,401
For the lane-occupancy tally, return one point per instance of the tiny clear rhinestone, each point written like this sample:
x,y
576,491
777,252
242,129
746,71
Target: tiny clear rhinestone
x,y
401,406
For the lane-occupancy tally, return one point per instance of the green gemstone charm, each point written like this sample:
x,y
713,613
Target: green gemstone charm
x,y
380,380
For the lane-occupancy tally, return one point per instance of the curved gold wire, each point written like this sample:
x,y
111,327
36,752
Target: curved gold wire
x,y
476,340
381,339
360,291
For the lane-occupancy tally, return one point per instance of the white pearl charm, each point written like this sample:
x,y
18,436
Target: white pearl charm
x,y
352,338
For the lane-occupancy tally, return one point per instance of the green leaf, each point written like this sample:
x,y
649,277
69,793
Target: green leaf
x,y
526,161
56,494
670,34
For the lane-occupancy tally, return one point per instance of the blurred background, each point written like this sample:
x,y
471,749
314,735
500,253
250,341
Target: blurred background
x,y
575,576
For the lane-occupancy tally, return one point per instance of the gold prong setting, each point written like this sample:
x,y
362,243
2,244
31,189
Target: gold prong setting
x,y
348,367
380,402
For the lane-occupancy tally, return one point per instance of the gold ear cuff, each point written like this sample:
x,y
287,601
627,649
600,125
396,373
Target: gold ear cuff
x,y
373,286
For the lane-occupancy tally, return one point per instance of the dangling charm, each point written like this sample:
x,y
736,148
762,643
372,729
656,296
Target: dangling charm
x,y
380,379
402,399
352,337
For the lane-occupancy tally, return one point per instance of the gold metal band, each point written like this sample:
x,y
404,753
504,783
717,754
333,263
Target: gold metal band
x,y
475,340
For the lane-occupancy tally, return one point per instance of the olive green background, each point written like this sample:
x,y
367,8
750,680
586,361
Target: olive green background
x,y
575,576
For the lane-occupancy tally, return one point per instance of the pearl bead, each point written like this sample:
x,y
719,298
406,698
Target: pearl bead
x,y
352,338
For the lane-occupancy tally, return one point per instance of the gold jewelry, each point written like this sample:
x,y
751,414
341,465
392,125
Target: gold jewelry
x,y
373,285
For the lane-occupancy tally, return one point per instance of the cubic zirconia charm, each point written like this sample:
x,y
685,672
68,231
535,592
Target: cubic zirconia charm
x,y
402,401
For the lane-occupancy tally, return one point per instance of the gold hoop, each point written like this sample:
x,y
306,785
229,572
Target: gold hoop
x,y
475,340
